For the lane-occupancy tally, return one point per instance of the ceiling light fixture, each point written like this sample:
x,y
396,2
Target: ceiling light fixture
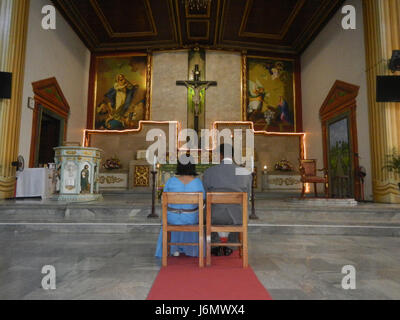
x,y
196,5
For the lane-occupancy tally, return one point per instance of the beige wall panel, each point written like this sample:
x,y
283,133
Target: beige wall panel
x,y
223,102
169,101
336,54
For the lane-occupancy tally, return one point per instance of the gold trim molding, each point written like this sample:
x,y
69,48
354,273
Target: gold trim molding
x,y
13,35
382,35
279,36
112,34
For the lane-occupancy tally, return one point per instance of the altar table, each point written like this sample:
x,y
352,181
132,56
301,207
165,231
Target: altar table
x,y
36,182
282,181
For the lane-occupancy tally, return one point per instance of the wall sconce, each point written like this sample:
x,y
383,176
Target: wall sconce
x,y
196,4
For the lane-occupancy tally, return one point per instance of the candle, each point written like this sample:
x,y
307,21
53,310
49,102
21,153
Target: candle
x,y
252,164
154,164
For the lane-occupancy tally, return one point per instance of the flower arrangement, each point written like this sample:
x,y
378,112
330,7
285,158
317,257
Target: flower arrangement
x,y
112,164
160,191
283,165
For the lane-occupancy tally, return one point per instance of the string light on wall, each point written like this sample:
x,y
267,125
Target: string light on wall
x,y
196,5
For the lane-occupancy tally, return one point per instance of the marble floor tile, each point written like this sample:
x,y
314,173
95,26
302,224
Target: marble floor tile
x,y
123,266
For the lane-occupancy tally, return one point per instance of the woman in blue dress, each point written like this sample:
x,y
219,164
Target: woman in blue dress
x,y
185,181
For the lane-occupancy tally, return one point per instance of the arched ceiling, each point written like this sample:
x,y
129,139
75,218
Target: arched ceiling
x,y
276,26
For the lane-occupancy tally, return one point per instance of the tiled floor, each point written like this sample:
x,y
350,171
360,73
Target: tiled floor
x,y
122,266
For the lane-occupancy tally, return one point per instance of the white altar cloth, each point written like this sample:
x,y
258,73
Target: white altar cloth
x,y
35,182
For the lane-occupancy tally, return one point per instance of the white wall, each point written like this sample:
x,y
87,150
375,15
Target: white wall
x,y
336,54
55,53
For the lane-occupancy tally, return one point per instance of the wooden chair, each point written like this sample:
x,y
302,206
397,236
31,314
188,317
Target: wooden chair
x,y
308,171
182,198
239,198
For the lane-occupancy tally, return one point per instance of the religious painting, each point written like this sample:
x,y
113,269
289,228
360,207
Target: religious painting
x,y
120,91
339,156
269,97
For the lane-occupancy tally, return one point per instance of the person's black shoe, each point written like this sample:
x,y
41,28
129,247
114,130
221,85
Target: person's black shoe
x,y
217,251
227,251
214,251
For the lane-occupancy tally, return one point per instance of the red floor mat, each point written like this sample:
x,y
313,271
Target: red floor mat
x,y
182,279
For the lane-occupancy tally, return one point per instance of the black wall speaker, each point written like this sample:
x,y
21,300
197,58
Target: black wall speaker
x,y
387,89
5,85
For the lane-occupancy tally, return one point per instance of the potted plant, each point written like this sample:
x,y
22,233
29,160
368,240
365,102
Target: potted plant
x,y
160,191
393,163
283,165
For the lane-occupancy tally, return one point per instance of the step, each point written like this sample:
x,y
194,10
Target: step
x,y
74,227
138,214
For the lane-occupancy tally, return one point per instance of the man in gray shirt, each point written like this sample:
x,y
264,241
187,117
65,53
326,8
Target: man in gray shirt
x,y
224,178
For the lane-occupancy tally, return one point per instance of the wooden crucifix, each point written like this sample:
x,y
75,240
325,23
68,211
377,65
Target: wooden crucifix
x,y
197,87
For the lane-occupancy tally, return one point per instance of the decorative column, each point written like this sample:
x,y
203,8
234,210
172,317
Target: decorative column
x,y
13,34
382,35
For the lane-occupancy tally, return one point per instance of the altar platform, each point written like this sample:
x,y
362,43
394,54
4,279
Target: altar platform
x,y
279,213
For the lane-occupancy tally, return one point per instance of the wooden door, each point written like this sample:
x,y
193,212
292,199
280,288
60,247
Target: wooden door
x,y
339,133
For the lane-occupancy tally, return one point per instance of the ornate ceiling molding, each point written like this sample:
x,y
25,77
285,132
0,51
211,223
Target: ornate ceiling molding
x,y
276,36
113,34
224,24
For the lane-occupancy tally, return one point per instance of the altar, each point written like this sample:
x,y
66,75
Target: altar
x,y
113,180
36,182
134,174
167,171
281,181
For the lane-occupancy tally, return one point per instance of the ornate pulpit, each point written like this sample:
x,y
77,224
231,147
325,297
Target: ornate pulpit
x,y
77,173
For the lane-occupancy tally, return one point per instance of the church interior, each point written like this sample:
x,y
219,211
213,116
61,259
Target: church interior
x,y
85,83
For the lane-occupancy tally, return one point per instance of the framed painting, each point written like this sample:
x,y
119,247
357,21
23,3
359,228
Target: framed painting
x,y
119,91
340,168
270,94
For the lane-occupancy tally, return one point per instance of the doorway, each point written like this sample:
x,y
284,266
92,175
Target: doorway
x,y
50,134
50,120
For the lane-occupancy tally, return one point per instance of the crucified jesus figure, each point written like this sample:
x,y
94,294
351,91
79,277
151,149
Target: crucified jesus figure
x,y
197,86
197,89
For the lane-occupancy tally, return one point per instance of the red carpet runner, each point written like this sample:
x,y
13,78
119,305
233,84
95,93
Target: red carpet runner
x,y
182,279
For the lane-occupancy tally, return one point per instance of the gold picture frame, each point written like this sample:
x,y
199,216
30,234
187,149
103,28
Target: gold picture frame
x,y
119,91
271,96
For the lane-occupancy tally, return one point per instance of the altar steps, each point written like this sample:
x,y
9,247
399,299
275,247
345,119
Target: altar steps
x,y
123,228
129,214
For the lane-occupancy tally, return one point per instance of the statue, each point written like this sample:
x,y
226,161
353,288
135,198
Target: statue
x,y
197,87
85,185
